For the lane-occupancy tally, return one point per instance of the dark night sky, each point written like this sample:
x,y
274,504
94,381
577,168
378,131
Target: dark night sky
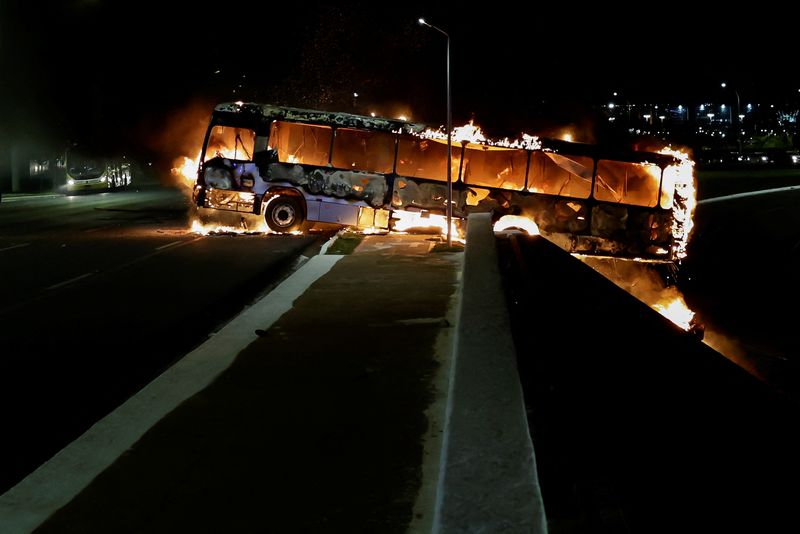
x,y
114,73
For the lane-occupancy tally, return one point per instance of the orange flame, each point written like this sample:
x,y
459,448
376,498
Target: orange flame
x,y
198,227
406,220
685,198
676,310
470,133
516,221
186,168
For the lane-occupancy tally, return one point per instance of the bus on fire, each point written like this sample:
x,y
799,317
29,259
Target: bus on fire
x,y
295,166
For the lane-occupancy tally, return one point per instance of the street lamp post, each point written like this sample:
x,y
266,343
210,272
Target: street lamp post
x,y
739,123
449,138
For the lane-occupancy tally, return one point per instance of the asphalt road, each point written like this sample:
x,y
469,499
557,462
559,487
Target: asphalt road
x,y
101,293
741,278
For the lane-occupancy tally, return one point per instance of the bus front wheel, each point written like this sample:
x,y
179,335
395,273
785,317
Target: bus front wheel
x,y
284,214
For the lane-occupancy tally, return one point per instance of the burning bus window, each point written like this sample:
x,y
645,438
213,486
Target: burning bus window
x,y
232,143
426,158
300,143
627,183
495,167
556,174
363,150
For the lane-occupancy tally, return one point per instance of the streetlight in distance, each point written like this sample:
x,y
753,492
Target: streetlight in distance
x,y
739,124
449,137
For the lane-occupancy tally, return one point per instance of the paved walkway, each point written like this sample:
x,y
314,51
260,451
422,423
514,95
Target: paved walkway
x,y
318,425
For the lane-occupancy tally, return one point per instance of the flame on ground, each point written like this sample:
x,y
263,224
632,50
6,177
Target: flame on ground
x,y
201,228
643,281
516,221
372,230
406,220
676,310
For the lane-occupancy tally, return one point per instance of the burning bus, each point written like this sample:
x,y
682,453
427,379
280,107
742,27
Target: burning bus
x,y
295,166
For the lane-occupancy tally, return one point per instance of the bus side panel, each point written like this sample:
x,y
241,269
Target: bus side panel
x,y
346,214
368,187
421,195
584,225
312,209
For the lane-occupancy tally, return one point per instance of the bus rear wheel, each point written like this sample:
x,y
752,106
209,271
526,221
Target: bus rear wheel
x,y
284,214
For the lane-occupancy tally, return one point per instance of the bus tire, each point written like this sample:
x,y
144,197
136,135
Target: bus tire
x,y
284,214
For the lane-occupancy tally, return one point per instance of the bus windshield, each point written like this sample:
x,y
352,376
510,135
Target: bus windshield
x,y
232,143
81,166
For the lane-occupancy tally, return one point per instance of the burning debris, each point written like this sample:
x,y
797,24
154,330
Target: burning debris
x,y
648,282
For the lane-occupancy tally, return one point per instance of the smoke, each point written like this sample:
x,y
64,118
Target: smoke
x,y
180,135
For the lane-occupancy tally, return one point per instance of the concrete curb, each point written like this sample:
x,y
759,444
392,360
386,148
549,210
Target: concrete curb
x,y
488,479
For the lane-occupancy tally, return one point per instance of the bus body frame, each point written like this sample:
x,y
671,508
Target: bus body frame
x,y
556,183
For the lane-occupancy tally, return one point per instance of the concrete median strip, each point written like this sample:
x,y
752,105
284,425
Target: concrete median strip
x,y
56,482
488,478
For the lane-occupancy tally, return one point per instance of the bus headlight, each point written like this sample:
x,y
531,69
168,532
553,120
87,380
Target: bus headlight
x,y
70,181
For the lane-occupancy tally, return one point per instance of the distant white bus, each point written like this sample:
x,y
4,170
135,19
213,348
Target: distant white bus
x,y
86,174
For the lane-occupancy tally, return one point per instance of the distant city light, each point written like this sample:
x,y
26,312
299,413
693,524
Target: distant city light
x,y
372,114
723,85
355,95
710,115
702,107
402,118
567,137
722,107
615,93
610,105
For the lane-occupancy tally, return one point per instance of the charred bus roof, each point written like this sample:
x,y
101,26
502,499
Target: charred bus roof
x,y
260,116
266,113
